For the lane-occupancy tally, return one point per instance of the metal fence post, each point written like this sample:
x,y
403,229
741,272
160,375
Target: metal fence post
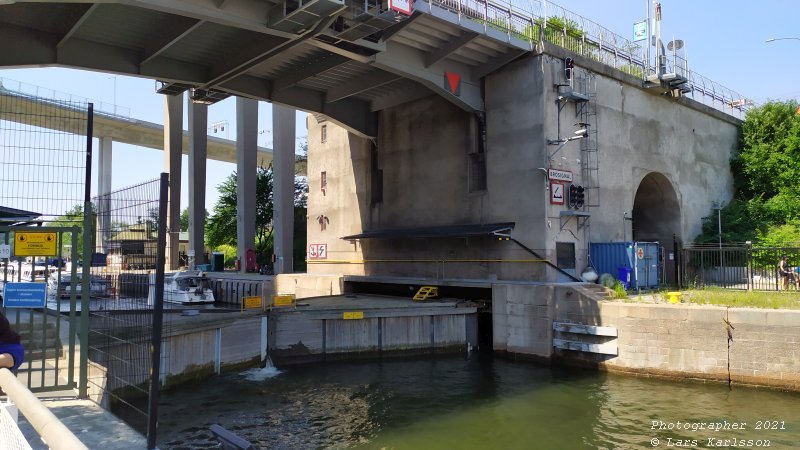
x,y
158,311
676,258
87,259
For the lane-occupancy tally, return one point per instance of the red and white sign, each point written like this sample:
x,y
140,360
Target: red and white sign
x,y
640,252
402,6
559,175
318,251
556,193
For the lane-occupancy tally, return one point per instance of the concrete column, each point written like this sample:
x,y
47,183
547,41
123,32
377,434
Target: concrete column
x,y
283,132
246,147
103,189
198,153
173,151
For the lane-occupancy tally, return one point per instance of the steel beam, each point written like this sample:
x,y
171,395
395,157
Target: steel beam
x,y
447,49
410,63
365,83
312,69
79,21
179,28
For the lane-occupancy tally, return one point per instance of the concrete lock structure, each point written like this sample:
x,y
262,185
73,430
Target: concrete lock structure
x,y
439,189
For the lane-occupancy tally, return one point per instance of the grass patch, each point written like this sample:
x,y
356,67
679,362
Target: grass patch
x,y
742,299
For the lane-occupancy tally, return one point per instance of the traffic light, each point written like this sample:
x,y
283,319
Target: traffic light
x,y
572,195
569,64
579,197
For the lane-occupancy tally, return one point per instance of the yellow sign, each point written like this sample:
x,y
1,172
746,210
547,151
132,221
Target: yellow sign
x,y
252,302
282,300
30,243
353,315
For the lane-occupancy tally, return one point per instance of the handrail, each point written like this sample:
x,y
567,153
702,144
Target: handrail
x,y
53,432
544,20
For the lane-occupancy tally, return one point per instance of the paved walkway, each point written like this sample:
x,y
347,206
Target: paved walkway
x,y
94,426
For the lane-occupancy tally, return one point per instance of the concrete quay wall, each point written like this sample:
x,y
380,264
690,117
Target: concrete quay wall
x,y
742,345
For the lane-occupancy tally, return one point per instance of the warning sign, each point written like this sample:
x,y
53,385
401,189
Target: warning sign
x,y
402,6
640,252
251,302
318,251
29,243
283,300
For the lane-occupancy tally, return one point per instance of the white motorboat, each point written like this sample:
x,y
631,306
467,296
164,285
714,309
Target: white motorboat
x,y
35,272
99,286
188,287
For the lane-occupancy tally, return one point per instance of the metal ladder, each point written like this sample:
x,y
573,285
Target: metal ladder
x,y
586,112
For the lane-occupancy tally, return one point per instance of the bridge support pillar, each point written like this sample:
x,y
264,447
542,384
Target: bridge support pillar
x,y
283,131
246,160
173,152
198,152
103,189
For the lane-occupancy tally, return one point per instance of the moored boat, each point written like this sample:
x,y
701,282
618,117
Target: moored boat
x,y
188,287
60,287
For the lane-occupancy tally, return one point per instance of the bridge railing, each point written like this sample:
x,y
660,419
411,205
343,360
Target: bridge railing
x,y
545,20
46,94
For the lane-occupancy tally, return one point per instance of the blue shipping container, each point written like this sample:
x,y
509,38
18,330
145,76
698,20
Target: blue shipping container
x,y
609,257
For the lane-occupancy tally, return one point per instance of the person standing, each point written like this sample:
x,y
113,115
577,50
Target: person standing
x,y
786,273
11,351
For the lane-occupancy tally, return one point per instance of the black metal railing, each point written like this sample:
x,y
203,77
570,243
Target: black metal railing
x,y
737,266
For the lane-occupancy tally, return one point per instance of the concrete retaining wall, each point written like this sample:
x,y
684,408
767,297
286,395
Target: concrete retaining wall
x,y
308,285
299,337
670,340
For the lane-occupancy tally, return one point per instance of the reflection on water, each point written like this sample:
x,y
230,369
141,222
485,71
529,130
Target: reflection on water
x,y
481,403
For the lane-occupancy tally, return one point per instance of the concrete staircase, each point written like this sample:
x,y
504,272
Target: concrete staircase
x,y
40,341
596,291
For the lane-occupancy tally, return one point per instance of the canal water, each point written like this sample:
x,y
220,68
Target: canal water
x,y
477,403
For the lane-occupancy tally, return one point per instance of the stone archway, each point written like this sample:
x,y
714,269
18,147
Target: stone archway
x,y
657,216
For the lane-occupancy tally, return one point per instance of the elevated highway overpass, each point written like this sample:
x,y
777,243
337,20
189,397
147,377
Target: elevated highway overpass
x,y
31,110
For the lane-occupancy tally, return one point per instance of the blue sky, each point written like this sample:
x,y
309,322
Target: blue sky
x,y
724,41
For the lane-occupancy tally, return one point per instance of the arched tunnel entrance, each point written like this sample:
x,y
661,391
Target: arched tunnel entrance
x,y
657,217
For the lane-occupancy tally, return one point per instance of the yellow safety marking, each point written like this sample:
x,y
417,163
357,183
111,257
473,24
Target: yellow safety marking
x,y
353,315
426,292
282,300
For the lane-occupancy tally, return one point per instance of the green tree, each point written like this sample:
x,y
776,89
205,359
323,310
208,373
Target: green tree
x,y
185,219
221,226
70,218
766,170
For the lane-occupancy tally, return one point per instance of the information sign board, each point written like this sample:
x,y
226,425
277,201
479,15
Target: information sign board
x,y
24,295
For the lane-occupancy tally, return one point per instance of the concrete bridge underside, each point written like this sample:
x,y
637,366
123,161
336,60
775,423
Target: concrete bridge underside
x,y
345,60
